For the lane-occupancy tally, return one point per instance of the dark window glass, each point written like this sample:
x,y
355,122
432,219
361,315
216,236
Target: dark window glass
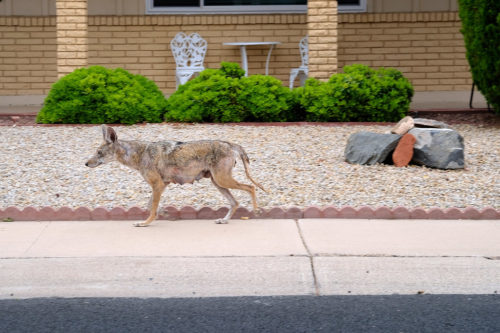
x,y
196,3
253,2
176,3
349,2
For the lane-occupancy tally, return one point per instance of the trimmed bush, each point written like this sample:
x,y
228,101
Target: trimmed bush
x,y
359,94
481,30
264,98
225,95
210,97
97,95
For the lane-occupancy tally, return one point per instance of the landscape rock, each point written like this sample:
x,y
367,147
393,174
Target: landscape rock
x,y
403,153
429,123
438,148
403,126
369,148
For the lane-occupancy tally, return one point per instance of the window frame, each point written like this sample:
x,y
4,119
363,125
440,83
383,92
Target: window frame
x,y
269,9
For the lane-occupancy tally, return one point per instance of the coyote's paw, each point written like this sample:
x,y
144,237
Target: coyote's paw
x,y
140,224
221,221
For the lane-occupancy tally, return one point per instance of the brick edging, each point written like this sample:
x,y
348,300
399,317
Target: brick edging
x,y
188,212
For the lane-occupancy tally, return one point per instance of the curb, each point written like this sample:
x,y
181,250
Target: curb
x,y
188,212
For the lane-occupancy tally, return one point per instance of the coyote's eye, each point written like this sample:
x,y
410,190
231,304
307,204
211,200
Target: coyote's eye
x,y
99,153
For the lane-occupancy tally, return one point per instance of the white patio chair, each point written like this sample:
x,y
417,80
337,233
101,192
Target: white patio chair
x,y
189,53
303,70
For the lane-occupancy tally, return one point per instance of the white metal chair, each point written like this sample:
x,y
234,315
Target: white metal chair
x,y
303,70
189,53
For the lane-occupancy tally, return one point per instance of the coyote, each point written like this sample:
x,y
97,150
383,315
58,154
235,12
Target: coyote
x,y
164,162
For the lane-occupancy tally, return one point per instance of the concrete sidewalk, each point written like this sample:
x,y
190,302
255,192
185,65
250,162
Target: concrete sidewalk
x,y
249,257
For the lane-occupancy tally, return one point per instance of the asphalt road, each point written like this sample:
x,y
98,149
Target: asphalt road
x,y
414,313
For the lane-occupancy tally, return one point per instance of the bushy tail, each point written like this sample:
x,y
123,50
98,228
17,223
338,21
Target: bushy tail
x,y
246,163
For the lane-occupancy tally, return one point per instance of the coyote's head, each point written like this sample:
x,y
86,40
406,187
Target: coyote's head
x,y
106,152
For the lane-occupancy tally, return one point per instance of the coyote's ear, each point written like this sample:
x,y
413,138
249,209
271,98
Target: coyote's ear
x,y
109,134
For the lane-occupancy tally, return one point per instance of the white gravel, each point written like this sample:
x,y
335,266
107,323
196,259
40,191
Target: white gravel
x,y
300,166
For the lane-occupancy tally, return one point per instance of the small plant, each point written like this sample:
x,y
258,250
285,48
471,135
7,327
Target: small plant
x,y
359,94
99,95
8,219
264,98
225,95
210,97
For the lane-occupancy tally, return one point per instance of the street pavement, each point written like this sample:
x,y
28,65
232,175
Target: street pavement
x,y
197,258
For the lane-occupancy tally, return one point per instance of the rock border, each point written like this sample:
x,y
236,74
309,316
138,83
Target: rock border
x,y
204,213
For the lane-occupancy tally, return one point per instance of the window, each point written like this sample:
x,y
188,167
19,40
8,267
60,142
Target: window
x,y
241,6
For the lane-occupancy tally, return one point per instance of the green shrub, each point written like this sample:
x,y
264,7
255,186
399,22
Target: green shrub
x,y
358,94
210,97
99,95
231,69
481,30
264,98
225,95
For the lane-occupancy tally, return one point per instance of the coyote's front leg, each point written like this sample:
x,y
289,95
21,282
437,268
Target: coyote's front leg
x,y
158,186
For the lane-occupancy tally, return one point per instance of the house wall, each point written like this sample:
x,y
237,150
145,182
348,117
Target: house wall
x,y
27,55
427,47
138,7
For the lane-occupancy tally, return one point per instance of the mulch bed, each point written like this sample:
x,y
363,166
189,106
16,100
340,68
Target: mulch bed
x,y
475,117
479,117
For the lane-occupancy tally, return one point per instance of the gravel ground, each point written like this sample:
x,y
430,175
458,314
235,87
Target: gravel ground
x,y
299,165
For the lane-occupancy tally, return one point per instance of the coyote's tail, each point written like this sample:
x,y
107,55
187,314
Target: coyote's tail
x,y
246,163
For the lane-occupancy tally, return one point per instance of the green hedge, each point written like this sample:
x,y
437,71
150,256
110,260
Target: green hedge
x,y
99,95
481,30
359,94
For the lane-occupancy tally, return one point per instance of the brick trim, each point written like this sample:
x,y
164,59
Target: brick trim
x,y
188,212
147,20
28,21
399,17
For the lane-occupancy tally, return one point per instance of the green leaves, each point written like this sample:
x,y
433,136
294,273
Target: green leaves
x,y
359,94
225,95
481,30
97,95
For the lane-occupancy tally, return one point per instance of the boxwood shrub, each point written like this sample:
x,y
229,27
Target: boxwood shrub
x,y
100,95
359,94
225,95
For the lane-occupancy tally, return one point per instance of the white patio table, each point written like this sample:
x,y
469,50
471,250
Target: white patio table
x,y
243,50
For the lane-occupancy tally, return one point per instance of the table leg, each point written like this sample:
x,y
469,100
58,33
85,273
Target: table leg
x,y
268,58
244,61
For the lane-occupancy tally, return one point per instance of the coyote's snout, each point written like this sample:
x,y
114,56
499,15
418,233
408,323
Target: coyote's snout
x,y
164,162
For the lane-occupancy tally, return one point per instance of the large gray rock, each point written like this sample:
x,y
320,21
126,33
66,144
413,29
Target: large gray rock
x,y
438,148
370,148
425,123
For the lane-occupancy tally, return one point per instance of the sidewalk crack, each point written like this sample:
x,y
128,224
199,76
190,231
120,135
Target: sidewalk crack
x,y
311,259
36,239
